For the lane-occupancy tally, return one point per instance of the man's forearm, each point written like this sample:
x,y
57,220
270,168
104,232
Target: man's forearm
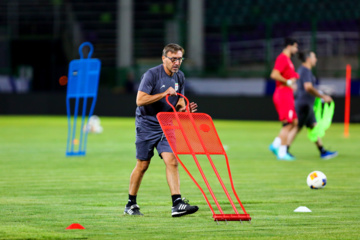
x,y
146,99
313,91
180,104
277,77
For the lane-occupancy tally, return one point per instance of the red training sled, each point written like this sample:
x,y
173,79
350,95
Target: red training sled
x,y
195,134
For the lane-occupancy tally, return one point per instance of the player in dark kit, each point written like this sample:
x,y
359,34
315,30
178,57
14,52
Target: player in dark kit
x,y
156,84
305,98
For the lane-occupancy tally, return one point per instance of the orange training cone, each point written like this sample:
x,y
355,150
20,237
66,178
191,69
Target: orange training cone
x,y
75,226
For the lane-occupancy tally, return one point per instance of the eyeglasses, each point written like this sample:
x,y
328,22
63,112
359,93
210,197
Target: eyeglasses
x,y
174,60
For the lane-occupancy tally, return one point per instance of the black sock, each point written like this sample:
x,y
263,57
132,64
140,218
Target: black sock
x,y
321,149
287,148
176,199
132,200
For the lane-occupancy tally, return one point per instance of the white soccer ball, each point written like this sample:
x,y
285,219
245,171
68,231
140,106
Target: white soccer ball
x,y
94,125
316,180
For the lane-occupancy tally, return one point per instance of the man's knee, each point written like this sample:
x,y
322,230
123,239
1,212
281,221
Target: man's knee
x,y
287,124
174,162
170,160
295,122
142,165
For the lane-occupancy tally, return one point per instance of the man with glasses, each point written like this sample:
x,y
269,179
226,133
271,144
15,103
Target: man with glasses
x,y
158,82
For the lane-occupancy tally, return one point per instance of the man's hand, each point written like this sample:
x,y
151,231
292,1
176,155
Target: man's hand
x,y
290,82
276,75
192,106
327,98
170,91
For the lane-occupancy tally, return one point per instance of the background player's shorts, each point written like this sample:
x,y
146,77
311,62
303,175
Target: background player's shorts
x,y
146,142
305,114
284,103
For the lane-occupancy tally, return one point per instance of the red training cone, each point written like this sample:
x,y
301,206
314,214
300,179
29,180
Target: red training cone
x,y
75,226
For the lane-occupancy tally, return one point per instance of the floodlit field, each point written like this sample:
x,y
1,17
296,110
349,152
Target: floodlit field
x,y
42,191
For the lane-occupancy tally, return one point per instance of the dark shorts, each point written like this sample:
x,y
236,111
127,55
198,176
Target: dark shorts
x,y
306,115
146,142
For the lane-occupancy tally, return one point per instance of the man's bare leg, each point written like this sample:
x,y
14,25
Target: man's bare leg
x,y
283,135
172,172
179,208
137,176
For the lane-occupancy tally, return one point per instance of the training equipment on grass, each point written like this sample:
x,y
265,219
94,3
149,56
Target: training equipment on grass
x,y
82,86
75,226
302,209
93,125
347,100
316,180
195,134
324,113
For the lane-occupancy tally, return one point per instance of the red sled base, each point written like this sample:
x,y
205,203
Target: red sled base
x,y
232,217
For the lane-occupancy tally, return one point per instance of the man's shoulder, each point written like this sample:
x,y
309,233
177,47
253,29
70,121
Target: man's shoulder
x,y
281,59
152,73
303,69
281,56
155,70
300,68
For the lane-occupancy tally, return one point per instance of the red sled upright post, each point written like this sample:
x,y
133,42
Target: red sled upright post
x,y
195,134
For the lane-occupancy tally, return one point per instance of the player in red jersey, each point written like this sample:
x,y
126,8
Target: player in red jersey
x,y
285,76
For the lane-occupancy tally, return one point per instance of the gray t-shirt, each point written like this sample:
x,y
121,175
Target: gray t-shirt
x,y
302,96
155,81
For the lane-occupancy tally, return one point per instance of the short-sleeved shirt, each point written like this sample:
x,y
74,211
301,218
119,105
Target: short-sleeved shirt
x,y
302,96
286,68
155,81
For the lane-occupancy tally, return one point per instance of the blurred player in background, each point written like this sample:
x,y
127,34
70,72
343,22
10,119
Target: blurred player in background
x,y
285,76
158,82
305,98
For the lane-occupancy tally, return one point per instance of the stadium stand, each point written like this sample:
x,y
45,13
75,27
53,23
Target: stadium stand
x,y
242,38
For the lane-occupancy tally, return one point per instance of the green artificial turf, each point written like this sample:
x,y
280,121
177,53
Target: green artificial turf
x,y
42,191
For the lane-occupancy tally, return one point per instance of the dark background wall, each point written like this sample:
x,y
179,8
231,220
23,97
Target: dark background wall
x,y
109,104
45,57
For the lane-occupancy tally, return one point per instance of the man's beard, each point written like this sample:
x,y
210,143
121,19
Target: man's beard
x,y
174,70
